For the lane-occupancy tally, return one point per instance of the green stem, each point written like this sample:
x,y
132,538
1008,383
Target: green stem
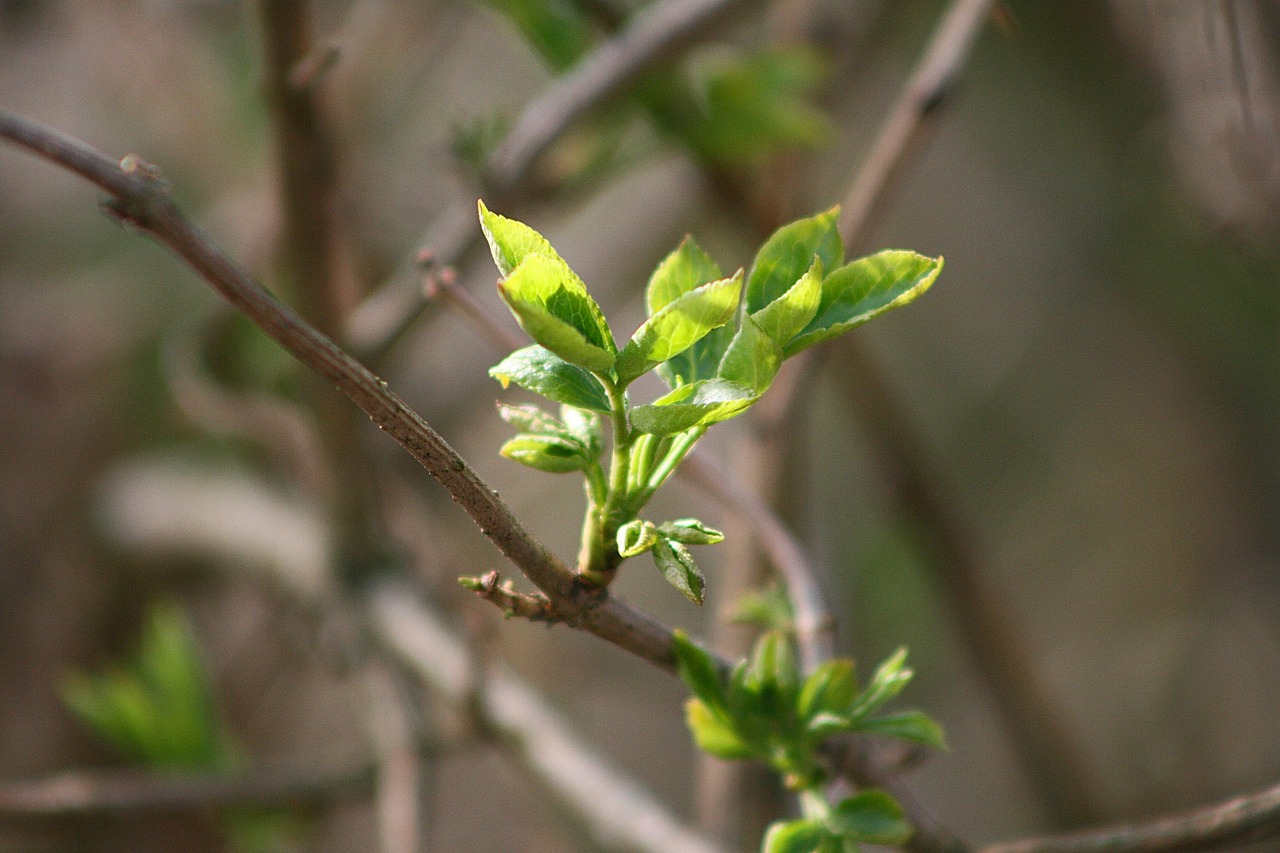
x,y
680,447
599,555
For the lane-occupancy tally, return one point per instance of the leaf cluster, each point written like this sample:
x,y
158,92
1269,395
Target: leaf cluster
x,y
716,340
766,711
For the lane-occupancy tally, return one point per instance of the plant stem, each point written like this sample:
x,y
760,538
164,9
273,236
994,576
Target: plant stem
x,y
680,447
599,558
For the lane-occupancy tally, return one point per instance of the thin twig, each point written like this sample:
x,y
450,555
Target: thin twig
x,y
655,36
141,199
85,793
1231,823
925,92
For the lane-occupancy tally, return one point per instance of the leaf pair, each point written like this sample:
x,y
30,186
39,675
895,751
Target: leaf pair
x,y
669,543
548,444
869,817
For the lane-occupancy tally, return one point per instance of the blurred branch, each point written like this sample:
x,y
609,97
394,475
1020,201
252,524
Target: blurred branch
x,y
402,767
1229,824
85,792
141,199
928,88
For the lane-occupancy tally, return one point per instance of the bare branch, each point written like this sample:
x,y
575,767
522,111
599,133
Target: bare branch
x,y
930,85
142,200
85,793
1233,822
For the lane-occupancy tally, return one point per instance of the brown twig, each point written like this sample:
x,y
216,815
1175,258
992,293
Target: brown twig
x,y
929,87
86,793
1231,823
141,199
535,608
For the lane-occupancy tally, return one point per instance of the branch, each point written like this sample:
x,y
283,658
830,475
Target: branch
x,y
141,199
85,793
1233,822
654,36
929,87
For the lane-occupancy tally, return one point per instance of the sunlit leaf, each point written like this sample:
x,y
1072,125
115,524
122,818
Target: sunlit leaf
x,y
752,359
679,324
551,304
680,272
690,531
699,404
635,537
548,453
784,318
541,371
796,836
713,734
788,254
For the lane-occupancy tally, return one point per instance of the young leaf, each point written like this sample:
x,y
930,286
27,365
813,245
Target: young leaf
x,y
704,402
546,453
913,726
890,679
677,566
772,673
585,427
752,359
698,362
541,371
690,531
788,254
678,325
713,734
635,537
511,241
796,836
864,289
825,724
786,316
872,817
678,273
533,420
552,305
830,688
699,673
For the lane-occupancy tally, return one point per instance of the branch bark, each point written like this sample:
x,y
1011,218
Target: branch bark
x,y
141,199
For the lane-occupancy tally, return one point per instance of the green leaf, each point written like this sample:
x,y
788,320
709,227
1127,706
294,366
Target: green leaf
x,y
786,316
557,29
552,305
678,325
690,531
825,724
772,674
635,537
830,688
796,836
700,361
872,817
584,426
533,420
702,403
788,255
510,242
713,734
699,672
541,371
889,680
678,567
753,358
913,726
864,289
768,608
681,271
546,453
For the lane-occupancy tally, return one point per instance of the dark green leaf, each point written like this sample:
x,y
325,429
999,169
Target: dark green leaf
x,y
678,325
753,358
786,316
864,289
635,537
772,674
914,726
698,671
713,733
872,817
702,403
690,531
677,566
788,254
830,688
552,305
889,680
541,371
796,836
546,453
680,272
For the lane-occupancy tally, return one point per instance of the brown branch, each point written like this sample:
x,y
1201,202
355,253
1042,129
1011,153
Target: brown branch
x,y
86,793
141,199
929,87
1237,821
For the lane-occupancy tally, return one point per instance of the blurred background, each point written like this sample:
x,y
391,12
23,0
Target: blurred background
x,y
1090,394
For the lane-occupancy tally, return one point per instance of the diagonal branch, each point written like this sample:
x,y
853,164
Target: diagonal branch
x,y
141,199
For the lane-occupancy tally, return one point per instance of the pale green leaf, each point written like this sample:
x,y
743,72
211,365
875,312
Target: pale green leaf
x,y
830,688
690,531
796,836
533,420
713,734
752,359
786,316
680,272
511,241
541,371
890,679
546,453
704,402
551,304
864,289
635,537
678,325
788,254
